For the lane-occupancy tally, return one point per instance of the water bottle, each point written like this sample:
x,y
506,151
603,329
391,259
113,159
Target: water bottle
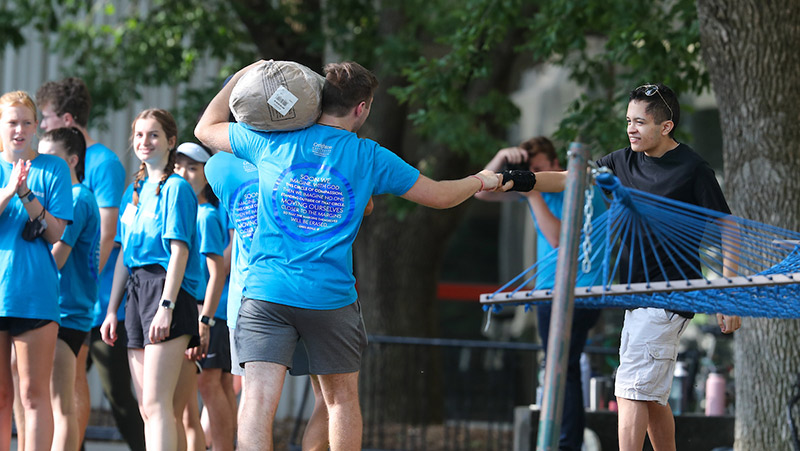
x,y
715,395
676,400
598,392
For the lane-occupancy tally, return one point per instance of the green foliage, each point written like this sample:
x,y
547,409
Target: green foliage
x,y
351,28
610,47
10,29
455,56
118,53
441,88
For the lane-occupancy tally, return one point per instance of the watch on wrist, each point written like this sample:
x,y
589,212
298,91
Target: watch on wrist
x,y
167,304
207,320
27,198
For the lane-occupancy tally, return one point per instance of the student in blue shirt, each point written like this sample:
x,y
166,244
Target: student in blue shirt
x,y
77,257
67,103
35,207
235,182
215,383
160,265
314,185
538,154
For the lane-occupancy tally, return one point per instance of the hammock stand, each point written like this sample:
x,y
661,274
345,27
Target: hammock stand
x,y
765,261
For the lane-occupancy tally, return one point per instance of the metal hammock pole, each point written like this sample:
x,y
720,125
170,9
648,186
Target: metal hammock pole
x,y
563,300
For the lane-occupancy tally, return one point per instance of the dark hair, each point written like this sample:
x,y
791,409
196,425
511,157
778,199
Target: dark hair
x,y
210,196
662,103
69,95
540,144
74,144
346,85
208,193
170,130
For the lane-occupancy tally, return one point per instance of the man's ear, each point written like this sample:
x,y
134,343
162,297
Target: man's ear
x,y
360,108
69,120
667,127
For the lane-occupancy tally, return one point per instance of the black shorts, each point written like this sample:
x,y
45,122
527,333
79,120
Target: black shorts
x,y
145,287
74,338
219,348
18,326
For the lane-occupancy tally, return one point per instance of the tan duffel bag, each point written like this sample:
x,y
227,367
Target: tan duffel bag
x,y
278,96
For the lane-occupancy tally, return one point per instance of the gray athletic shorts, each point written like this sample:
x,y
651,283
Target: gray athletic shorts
x,y
299,360
268,332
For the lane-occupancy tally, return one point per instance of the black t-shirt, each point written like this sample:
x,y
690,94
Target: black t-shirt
x,y
680,174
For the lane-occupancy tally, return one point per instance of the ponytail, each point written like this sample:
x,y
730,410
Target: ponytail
x,y
169,170
138,178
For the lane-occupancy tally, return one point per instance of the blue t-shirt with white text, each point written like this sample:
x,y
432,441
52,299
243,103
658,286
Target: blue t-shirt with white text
x,y
235,182
314,185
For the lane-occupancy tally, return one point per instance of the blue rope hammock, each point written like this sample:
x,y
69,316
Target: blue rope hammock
x,y
649,251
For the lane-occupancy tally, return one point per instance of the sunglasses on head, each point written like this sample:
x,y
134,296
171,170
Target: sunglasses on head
x,y
649,90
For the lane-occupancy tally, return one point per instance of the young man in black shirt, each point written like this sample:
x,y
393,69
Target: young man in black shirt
x,y
655,163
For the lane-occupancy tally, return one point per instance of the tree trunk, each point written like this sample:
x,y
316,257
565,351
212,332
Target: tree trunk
x,y
278,38
751,50
398,257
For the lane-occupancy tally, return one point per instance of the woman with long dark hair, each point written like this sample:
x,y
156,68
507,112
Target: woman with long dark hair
x,y
159,265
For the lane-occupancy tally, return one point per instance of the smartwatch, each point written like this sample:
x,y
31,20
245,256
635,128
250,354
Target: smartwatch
x,y
28,198
207,320
167,304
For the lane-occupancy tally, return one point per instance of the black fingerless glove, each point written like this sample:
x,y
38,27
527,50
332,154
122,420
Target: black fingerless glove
x,y
523,180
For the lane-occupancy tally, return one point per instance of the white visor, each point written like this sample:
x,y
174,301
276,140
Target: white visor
x,y
194,151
